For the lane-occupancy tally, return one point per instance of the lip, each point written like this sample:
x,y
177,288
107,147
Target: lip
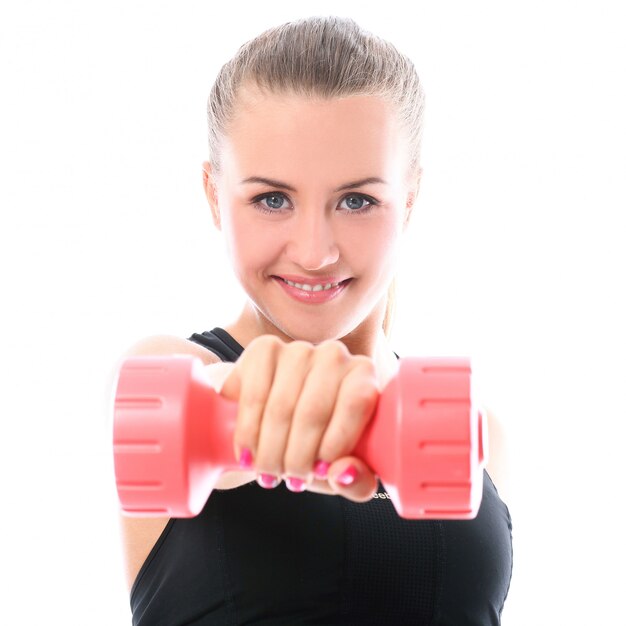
x,y
312,297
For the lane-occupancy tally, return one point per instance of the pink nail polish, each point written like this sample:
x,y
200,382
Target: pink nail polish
x,y
296,485
245,458
268,481
320,469
347,477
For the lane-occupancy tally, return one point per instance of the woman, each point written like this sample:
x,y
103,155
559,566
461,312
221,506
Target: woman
x,y
314,136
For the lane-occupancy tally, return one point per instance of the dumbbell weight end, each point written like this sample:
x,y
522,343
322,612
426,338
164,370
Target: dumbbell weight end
x,y
172,436
428,440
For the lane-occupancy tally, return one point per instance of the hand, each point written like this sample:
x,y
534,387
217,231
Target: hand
x,y
302,409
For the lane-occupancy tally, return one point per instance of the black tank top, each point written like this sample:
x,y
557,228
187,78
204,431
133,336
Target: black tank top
x,y
273,557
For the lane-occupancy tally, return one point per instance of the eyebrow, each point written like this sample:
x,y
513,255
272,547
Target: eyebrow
x,y
276,183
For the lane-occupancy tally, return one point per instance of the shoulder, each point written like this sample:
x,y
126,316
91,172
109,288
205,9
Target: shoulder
x,y
163,345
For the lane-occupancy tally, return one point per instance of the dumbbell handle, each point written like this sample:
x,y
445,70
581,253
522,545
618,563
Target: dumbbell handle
x,y
173,438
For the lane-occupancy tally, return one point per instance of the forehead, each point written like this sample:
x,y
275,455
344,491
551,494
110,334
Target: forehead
x,y
292,135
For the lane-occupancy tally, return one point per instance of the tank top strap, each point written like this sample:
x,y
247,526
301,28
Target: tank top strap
x,y
219,342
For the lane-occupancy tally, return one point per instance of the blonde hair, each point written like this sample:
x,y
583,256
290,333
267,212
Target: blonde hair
x,y
321,57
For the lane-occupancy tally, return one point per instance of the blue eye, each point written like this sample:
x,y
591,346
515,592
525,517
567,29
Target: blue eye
x,y
274,201
355,202
269,202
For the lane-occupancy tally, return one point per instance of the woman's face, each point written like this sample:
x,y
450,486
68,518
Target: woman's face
x,y
316,192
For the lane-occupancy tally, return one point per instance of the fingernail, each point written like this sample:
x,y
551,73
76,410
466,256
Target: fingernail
x,y
320,469
347,477
245,459
296,485
268,481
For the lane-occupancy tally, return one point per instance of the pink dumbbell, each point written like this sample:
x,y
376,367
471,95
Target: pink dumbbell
x,y
173,438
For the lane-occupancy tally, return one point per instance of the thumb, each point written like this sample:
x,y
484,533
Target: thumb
x,y
218,375
352,478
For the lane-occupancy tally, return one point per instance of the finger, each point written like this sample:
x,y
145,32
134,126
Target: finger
x,y
315,408
355,406
353,479
291,372
254,375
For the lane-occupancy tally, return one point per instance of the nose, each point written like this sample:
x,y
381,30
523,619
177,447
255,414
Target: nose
x,y
312,243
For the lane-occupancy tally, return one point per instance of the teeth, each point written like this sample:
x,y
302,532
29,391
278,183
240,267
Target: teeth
x,y
312,287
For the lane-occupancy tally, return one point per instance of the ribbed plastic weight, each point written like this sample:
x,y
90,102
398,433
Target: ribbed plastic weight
x,y
173,438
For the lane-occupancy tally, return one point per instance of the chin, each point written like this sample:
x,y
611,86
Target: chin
x,y
312,335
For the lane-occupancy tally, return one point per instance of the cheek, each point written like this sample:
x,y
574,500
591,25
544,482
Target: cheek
x,y
249,245
374,243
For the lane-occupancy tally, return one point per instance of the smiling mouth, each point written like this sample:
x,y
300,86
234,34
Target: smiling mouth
x,y
313,288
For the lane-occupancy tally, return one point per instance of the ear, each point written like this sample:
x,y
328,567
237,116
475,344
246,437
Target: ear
x,y
414,187
210,190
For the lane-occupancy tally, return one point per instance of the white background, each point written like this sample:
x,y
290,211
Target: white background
x,y
517,258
